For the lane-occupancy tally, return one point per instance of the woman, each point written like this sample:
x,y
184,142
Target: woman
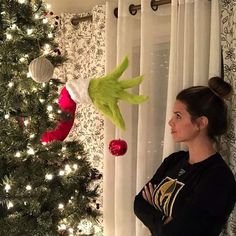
x,y
192,193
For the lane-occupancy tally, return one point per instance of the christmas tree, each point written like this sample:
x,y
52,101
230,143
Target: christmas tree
x,y
45,189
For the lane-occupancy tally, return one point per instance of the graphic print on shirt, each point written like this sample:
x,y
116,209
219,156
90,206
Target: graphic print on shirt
x,y
165,194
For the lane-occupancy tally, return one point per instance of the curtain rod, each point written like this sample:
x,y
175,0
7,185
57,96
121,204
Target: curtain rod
x,y
75,20
133,9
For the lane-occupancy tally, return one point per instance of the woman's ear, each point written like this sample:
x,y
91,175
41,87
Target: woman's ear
x,y
202,122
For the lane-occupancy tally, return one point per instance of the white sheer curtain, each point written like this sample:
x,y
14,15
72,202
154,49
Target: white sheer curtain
x,y
146,39
195,50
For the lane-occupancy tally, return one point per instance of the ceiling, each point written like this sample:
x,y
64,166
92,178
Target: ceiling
x,y
73,6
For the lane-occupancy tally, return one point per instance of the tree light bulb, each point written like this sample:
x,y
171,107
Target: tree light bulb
x,y
14,26
75,166
9,205
28,187
10,84
49,176
17,154
67,169
61,172
29,75
7,116
50,116
32,135
26,122
45,21
60,206
36,16
50,35
21,1
22,59
7,187
47,48
29,31
41,100
49,108
31,151
9,36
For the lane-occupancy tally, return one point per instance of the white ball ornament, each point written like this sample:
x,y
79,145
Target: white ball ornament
x,y
41,69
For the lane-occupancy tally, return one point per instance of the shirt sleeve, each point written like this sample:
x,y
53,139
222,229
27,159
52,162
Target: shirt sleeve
x,y
147,213
151,217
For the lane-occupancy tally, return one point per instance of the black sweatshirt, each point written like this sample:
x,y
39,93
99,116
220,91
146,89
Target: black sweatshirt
x,y
198,196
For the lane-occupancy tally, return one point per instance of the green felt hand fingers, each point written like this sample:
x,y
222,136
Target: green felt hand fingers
x,y
116,74
132,98
112,111
117,118
130,83
105,93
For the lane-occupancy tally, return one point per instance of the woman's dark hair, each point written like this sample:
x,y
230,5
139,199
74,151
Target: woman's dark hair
x,y
208,101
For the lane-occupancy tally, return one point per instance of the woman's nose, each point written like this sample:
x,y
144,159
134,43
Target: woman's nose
x,y
170,122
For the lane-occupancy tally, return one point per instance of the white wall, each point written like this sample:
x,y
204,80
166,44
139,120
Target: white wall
x,y
73,6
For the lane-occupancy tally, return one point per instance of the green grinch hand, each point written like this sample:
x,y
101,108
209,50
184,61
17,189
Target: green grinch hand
x,y
105,92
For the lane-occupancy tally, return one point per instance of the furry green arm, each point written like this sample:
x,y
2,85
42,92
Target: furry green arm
x,y
105,93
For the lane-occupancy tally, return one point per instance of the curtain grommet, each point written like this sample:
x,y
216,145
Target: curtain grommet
x,y
153,5
132,9
116,12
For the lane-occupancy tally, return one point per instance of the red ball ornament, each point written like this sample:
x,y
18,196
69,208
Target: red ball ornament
x,y
118,147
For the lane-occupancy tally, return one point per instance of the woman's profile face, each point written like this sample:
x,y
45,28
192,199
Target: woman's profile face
x,y
182,127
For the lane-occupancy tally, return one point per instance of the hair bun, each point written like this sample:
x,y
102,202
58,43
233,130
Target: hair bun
x,y
220,87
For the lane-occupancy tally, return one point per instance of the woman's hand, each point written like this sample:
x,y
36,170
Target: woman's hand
x,y
148,192
169,219
147,195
